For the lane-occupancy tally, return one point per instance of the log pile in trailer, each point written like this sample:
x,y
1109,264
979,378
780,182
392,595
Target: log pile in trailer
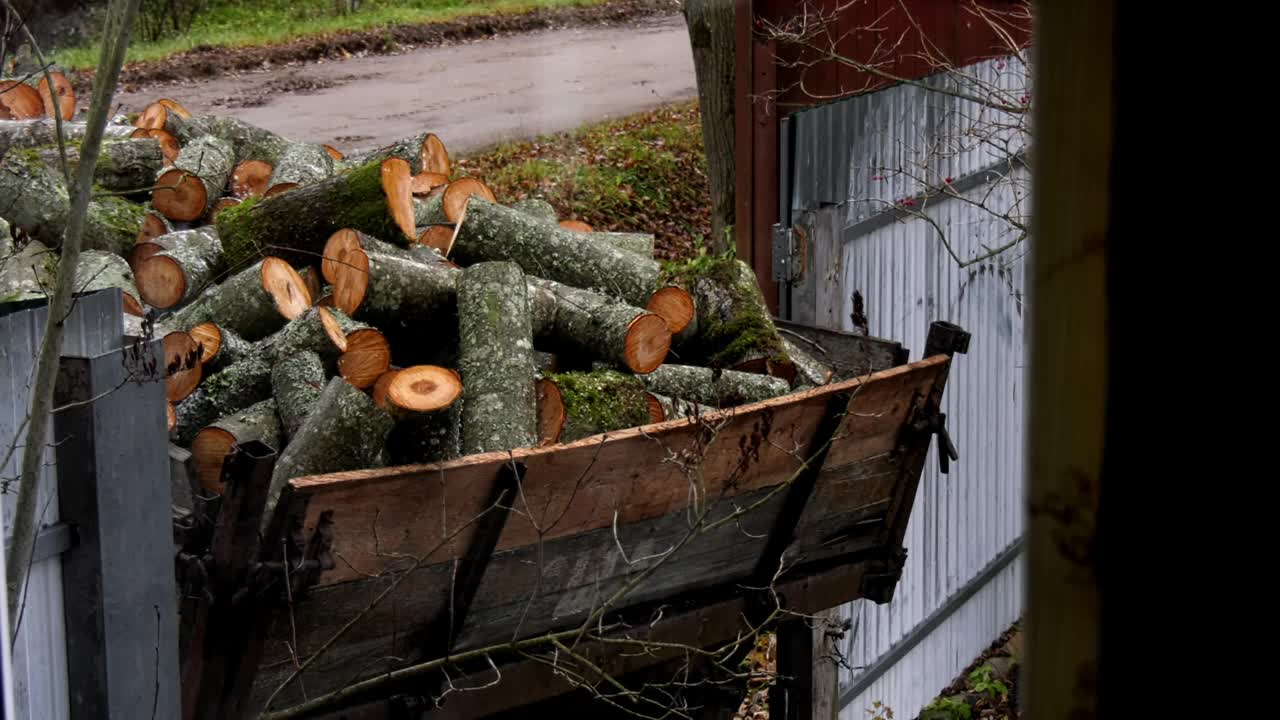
x,y
381,308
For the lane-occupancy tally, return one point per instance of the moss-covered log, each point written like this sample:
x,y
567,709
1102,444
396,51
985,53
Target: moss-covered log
x,y
810,372
296,382
220,347
423,152
247,141
125,166
538,208
186,265
34,197
735,330
495,359
345,431
188,190
301,164
571,320
492,232
213,443
600,401
26,134
373,198
723,388
252,303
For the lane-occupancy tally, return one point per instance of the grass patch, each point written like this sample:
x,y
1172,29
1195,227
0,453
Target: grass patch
x,y
243,23
642,173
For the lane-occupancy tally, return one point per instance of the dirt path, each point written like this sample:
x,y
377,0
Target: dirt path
x,y
470,95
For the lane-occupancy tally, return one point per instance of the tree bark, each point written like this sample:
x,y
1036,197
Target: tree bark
x,y
422,152
496,363
196,181
302,164
345,431
705,386
600,401
296,383
221,347
248,142
125,166
538,208
296,225
185,267
242,304
810,372
711,36
570,320
23,134
212,444
429,211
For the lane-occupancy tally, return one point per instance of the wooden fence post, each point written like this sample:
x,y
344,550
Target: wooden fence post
x,y
113,487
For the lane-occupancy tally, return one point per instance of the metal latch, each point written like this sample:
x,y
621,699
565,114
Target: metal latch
x,y
936,424
784,254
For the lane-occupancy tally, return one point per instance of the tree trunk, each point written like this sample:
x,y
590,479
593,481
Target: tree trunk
x,y
185,267
575,321
718,389
345,431
711,36
297,224
35,199
22,134
212,444
595,402
125,166
248,142
188,190
423,401
296,383
253,303
301,164
493,232
221,347
496,344
389,291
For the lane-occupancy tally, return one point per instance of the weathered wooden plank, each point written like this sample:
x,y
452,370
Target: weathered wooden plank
x,y
852,355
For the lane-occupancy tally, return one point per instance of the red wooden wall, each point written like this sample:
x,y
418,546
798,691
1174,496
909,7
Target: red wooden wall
x,y
768,84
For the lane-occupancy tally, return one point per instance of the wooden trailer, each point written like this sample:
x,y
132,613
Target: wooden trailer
x,y
378,593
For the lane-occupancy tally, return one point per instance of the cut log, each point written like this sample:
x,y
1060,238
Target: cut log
x,y
674,408
596,402
181,365
175,107
429,211
126,166
425,182
345,431
154,116
21,134
19,101
373,199
170,416
169,147
311,278
279,188
499,410
550,423
735,328
296,382
570,320
250,178
248,142
576,226
436,237
366,358
252,303
221,204
494,232
153,226
340,261
188,190
212,444
676,306
423,153
98,270
302,164
718,389
388,290
458,193
810,372
36,200
220,347
423,401
62,100
185,266
538,208
333,152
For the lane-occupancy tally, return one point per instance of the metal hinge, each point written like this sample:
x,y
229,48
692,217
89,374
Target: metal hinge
x,y
785,255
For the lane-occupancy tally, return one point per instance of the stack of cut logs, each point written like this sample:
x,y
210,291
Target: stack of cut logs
x,y
376,308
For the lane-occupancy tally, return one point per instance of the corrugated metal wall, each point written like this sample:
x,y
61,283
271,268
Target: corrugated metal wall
x,y
853,161
39,664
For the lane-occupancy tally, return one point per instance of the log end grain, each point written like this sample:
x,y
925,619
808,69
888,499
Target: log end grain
x,y
647,344
397,184
458,194
673,304
333,152
169,146
366,358
250,178
437,237
657,413
382,387
63,98
286,287
209,337
161,281
153,116
182,365
435,158
279,188
425,182
175,107
153,226
180,196
171,416
332,328
19,101
336,251
550,412
350,277
423,388
576,226
208,452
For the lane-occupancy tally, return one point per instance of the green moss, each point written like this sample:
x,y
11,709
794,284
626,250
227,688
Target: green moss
x,y
724,342
600,401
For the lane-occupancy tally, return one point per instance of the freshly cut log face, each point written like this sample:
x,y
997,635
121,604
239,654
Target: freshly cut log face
x,y
279,188
63,98
209,336
346,266
211,445
169,146
153,116
153,226
550,412
673,304
250,178
337,251
424,183
286,286
221,347
656,411
170,416
397,184
382,387
333,152
252,303
459,192
19,101
367,357
181,364
576,226
439,237
423,388
175,107
435,158
311,278
188,190
186,265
